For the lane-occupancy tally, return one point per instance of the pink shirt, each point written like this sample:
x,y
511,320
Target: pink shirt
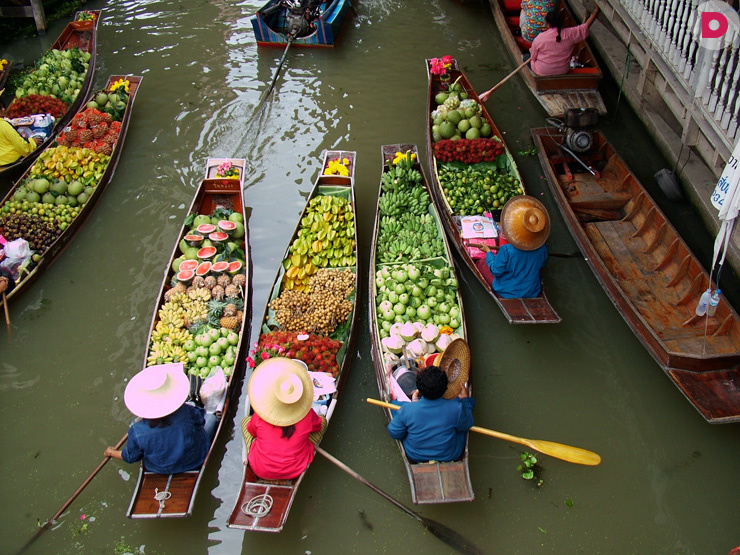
x,y
273,457
550,57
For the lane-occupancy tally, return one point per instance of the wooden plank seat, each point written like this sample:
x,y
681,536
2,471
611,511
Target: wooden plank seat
x,y
441,482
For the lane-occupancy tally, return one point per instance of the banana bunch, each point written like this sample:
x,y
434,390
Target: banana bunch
x,y
171,315
163,353
399,250
202,294
166,333
412,201
398,178
198,310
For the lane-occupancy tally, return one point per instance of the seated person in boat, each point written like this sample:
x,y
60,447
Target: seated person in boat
x,y
532,17
432,427
170,435
283,428
552,49
514,272
12,145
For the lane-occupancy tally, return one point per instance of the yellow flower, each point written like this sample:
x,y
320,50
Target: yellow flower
x,y
404,156
2,63
337,166
120,83
447,330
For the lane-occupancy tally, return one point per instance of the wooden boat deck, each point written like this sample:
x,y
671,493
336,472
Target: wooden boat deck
x,y
178,491
435,482
649,273
556,93
282,492
535,310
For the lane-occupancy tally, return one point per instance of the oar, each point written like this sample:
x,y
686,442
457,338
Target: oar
x,y
485,96
447,535
267,92
555,254
69,501
7,313
557,450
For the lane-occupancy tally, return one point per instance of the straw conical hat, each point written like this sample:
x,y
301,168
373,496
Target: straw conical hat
x,y
157,391
281,391
455,362
525,222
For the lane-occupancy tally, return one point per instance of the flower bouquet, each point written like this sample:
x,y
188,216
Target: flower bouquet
x,y
338,166
227,169
84,20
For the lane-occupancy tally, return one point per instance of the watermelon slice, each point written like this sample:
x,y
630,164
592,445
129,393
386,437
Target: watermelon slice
x,y
203,269
185,276
206,252
217,236
205,229
220,267
226,226
234,267
193,239
188,265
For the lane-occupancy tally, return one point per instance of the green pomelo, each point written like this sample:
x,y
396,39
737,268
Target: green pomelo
x,y
441,97
32,196
101,98
238,233
447,129
48,198
61,199
41,186
454,117
476,121
463,126
236,217
59,187
472,133
82,198
75,188
485,130
470,112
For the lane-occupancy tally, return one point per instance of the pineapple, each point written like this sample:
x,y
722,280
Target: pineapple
x,y
224,281
230,310
215,312
199,281
232,290
240,280
218,292
210,282
229,322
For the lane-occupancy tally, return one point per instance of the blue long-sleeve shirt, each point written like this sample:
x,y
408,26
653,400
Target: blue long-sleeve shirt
x,y
516,272
180,446
433,430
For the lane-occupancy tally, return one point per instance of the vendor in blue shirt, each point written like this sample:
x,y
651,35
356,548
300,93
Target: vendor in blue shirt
x,y
169,435
514,272
430,427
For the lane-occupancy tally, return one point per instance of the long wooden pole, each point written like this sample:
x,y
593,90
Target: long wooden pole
x,y
486,95
69,501
557,450
7,313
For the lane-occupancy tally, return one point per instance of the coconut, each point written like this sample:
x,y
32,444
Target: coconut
x,y
396,328
419,326
390,359
393,344
409,331
430,333
443,341
417,348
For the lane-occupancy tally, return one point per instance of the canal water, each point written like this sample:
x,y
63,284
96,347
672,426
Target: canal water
x,y
668,482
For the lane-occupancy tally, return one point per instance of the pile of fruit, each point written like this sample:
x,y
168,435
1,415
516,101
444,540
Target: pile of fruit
x,y
318,352
417,339
320,308
326,239
476,189
68,164
406,229
58,74
416,292
91,129
458,116
36,104
199,322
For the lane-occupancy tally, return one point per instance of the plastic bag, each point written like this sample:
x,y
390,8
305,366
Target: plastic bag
x,y
16,253
213,392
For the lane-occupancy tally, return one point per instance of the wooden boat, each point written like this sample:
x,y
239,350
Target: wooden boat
x,y
445,482
278,21
85,39
557,93
275,497
48,255
535,310
648,271
172,496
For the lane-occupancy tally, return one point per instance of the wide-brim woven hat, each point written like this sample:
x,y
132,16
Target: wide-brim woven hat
x,y
525,222
281,391
455,362
157,390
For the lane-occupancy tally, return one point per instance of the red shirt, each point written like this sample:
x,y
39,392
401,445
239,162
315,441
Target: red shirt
x,y
274,457
550,57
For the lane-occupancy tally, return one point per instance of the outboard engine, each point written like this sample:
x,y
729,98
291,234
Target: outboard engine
x,y
299,17
578,127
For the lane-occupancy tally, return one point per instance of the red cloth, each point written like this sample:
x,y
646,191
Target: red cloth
x,y
274,457
550,57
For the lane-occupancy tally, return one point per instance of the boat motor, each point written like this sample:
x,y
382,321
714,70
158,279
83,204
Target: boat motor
x,y
299,17
578,127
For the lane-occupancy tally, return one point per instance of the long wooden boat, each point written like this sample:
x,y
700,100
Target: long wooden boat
x,y
648,271
84,39
216,200
535,310
319,253
438,482
281,21
95,182
556,93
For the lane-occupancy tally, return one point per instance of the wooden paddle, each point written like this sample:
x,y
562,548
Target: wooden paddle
x,y
554,254
557,450
486,95
69,501
267,91
447,535
7,313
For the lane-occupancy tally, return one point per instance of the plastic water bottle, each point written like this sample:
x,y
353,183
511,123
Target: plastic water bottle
x,y
701,308
713,302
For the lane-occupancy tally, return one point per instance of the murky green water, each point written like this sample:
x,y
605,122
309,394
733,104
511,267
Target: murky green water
x,y
668,481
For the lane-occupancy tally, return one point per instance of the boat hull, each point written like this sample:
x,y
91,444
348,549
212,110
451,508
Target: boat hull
x,y
267,30
648,272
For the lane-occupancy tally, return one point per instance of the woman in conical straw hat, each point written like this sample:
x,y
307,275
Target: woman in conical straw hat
x,y
170,435
283,428
514,272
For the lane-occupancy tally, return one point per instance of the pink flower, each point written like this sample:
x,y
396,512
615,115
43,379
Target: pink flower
x,y
250,361
264,355
82,516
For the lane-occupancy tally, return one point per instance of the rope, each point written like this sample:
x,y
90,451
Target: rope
x,y
161,496
258,506
625,74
